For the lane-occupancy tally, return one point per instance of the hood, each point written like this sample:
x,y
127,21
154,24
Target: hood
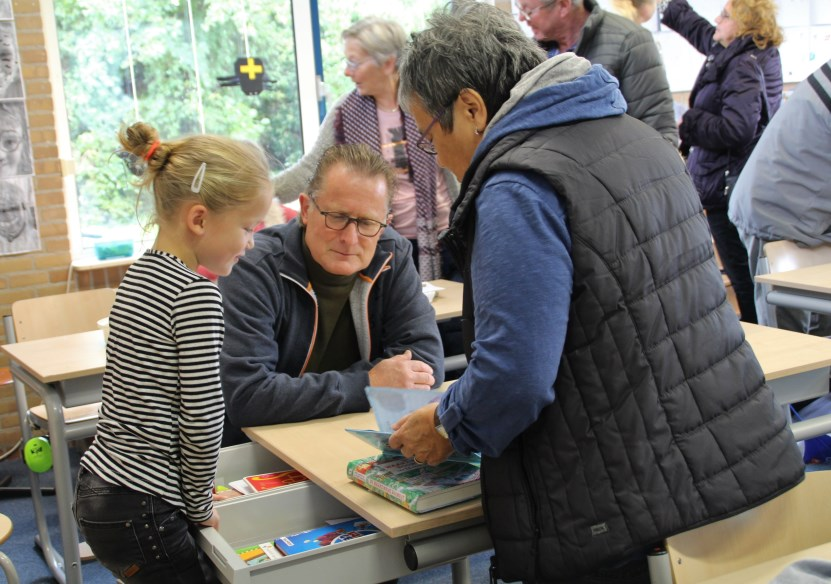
x,y
561,90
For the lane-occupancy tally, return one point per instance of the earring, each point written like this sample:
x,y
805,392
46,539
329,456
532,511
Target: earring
x,y
476,131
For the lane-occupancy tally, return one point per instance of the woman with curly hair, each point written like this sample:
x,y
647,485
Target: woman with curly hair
x,y
638,11
737,91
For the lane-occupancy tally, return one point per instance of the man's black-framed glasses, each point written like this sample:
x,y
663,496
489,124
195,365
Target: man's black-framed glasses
x,y
423,142
340,221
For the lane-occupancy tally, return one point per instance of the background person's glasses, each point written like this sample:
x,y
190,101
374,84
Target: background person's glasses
x,y
529,14
10,140
352,66
340,221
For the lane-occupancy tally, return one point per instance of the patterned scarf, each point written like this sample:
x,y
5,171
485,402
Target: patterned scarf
x,y
357,123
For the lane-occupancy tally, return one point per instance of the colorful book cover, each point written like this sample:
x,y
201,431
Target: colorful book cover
x,y
323,536
257,554
416,487
273,480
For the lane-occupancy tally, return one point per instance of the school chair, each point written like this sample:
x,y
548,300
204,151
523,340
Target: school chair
x,y
756,545
6,528
52,316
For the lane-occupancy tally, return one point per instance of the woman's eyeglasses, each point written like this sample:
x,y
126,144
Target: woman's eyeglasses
x,y
10,140
340,221
423,142
352,66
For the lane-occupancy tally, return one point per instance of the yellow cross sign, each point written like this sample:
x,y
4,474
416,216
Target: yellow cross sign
x,y
252,68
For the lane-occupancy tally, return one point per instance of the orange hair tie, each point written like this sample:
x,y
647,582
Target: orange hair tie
x,y
151,151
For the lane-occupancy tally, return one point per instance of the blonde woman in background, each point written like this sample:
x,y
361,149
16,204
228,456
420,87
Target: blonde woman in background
x,y
370,115
638,11
737,91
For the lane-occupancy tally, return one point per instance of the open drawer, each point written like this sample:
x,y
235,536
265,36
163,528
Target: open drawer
x,y
254,519
242,460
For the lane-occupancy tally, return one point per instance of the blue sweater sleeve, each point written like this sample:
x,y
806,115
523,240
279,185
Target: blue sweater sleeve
x,y
522,279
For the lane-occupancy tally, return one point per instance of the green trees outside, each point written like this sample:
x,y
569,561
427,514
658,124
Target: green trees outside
x,y
125,61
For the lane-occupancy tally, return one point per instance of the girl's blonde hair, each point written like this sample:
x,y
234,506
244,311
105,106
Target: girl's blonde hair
x,y
757,18
234,173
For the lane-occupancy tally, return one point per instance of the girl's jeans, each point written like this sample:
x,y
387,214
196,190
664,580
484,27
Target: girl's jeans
x,y
138,537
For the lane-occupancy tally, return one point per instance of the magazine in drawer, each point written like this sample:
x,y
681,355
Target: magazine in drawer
x,y
251,520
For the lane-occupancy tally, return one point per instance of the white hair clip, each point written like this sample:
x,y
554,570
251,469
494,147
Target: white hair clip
x,y
196,185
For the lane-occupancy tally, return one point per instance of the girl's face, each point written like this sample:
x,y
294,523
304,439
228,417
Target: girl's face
x,y
229,233
11,147
726,27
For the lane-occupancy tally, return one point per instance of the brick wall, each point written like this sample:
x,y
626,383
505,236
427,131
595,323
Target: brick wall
x,y
44,272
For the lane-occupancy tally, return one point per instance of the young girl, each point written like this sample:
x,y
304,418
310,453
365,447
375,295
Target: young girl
x,y
146,481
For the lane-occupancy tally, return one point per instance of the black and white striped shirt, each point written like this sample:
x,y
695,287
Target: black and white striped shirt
x,y
162,410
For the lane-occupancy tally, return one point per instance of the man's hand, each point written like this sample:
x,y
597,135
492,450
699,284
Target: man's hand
x,y
213,521
416,436
402,371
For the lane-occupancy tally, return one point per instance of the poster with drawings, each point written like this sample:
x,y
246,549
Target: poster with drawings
x,y
18,211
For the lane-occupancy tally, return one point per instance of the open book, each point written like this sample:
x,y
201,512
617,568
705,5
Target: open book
x,y
390,405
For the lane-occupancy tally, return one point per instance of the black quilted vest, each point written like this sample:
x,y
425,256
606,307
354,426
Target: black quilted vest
x,y
662,421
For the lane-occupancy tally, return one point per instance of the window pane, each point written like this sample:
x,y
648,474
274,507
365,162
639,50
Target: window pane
x,y
128,61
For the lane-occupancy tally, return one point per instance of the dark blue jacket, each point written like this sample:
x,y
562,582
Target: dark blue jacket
x,y
271,321
737,91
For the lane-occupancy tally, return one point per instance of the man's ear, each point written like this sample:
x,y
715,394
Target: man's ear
x,y
305,206
195,218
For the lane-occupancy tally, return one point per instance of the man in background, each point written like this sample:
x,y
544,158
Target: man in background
x,y
624,48
326,304
783,192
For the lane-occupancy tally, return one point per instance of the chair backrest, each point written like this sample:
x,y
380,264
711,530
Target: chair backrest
x,y
784,256
798,519
61,314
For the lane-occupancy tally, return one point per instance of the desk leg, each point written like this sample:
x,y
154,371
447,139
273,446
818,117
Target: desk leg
x,y
63,488
63,479
460,571
53,560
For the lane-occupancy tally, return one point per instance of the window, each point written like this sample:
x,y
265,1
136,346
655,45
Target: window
x,y
160,61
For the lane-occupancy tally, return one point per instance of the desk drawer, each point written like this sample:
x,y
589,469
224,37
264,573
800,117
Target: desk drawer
x,y
252,520
242,460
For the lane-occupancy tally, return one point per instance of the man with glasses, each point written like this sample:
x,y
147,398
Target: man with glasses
x,y
625,49
327,304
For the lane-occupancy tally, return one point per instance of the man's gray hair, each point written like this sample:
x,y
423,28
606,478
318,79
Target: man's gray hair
x,y
379,37
467,45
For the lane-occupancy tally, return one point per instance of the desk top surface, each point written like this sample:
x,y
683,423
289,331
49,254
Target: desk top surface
x,y
61,358
780,353
812,279
321,449
448,301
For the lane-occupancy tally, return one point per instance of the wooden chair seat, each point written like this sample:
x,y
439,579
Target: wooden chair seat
x,y
797,520
70,415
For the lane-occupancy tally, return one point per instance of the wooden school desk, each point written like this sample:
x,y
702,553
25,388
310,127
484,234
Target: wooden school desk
x,y
63,371
68,370
803,288
448,301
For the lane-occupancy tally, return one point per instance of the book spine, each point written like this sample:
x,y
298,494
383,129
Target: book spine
x,y
387,490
